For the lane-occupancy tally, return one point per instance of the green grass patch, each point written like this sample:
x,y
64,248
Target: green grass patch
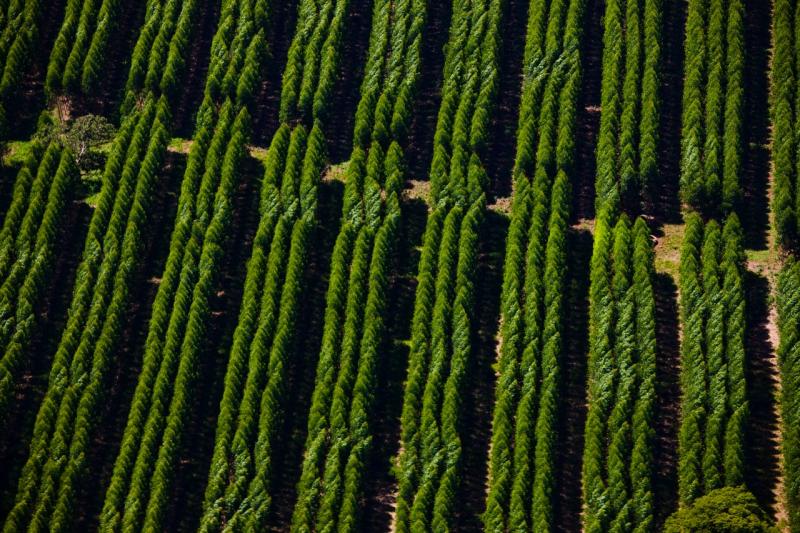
x,y
668,250
16,153
337,172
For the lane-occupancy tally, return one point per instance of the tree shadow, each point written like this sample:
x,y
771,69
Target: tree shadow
x,y
502,140
588,121
762,440
111,418
662,198
27,99
187,102
33,377
573,403
346,93
478,393
289,449
105,97
8,177
267,103
197,443
381,484
429,90
668,398
756,128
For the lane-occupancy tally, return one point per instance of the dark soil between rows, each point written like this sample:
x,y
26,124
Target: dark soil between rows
x,y
662,199
479,392
668,398
346,94
762,439
756,123
110,421
381,486
503,128
588,121
28,100
419,152
197,445
290,448
18,423
573,403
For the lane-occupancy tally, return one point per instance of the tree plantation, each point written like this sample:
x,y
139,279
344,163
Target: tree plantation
x,y
400,266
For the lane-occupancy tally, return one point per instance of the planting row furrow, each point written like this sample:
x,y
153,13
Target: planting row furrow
x,y
239,494
144,470
339,427
522,477
444,312
28,248
66,419
713,100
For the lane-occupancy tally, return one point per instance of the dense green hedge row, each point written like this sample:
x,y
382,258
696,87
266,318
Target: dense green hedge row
x,y
159,56
42,191
311,67
628,139
784,205
79,53
238,495
784,116
521,464
714,407
143,472
64,426
788,299
442,327
618,452
65,420
19,32
713,96
339,432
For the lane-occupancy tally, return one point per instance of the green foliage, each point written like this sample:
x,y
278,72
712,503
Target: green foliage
x,y
693,374
82,136
715,407
339,434
145,466
644,412
521,479
726,510
618,490
19,34
65,425
783,100
29,249
788,299
627,143
711,138
312,64
430,463
49,480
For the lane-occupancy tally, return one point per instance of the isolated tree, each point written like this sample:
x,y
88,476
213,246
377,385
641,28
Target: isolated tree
x,y
726,510
85,133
